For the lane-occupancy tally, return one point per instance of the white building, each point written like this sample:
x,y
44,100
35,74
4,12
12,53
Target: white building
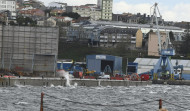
x,y
8,5
106,8
58,5
87,11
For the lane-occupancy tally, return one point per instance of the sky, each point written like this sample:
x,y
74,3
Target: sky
x,y
171,10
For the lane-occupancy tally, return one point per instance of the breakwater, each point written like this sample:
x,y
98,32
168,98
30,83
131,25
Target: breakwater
x,y
6,82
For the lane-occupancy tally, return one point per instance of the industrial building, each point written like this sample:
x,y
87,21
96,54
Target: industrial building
x,y
32,50
147,64
104,63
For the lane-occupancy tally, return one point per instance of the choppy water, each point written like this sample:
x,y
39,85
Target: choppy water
x,y
75,98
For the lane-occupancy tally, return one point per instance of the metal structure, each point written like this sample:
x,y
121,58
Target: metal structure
x,y
164,67
29,49
99,63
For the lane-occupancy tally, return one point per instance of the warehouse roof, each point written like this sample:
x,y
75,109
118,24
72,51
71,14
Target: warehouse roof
x,y
112,23
120,31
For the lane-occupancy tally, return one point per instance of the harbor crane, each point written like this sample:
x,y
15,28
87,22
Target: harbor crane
x,y
163,68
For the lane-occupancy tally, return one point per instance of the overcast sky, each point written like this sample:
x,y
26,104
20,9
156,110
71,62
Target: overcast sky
x,y
171,10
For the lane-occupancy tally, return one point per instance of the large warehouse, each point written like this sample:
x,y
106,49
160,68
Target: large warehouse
x,y
104,63
147,64
29,49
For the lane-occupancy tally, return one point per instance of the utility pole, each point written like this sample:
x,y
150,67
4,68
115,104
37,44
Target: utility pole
x,y
127,67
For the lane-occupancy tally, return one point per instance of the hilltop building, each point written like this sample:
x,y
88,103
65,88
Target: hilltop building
x,y
106,9
88,10
59,5
9,5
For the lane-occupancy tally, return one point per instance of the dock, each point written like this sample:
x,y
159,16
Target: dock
x,y
172,82
37,81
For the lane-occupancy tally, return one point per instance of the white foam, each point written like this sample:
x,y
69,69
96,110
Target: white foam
x,y
21,103
65,74
75,84
151,92
52,85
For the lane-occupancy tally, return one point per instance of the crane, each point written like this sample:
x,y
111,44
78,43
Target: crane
x,y
163,68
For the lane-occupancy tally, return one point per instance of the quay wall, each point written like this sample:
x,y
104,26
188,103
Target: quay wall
x,y
6,82
172,82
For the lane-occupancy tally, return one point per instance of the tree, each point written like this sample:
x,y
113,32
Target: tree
x,y
71,14
20,20
185,45
12,23
171,35
25,21
142,21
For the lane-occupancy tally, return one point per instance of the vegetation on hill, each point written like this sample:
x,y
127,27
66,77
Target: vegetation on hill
x,y
78,52
71,14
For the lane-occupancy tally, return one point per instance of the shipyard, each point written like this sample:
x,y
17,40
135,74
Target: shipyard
x,y
99,55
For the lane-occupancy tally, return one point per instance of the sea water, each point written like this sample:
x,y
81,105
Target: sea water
x,y
77,98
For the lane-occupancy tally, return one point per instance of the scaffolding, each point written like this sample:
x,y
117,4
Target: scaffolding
x,y
29,49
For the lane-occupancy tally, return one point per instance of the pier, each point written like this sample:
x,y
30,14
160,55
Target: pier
x,y
11,82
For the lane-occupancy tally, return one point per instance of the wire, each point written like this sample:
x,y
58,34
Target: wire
x,y
96,104
176,105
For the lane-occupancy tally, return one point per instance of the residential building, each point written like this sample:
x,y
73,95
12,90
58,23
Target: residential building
x,y
34,3
31,12
20,1
53,21
106,9
63,19
153,45
145,28
105,33
112,36
56,12
58,5
50,22
135,18
139,39
4,15
9,5
88,10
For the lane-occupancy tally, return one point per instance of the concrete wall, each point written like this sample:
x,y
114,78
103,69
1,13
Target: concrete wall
x,y
172,82
5,82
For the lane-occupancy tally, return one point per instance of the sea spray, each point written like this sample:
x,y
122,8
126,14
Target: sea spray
x,y
65,74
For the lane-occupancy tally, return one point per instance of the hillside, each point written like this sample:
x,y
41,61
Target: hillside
x,y
78,52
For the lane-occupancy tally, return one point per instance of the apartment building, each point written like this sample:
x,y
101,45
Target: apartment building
x,y
88,10
153,43
111,37
106,9
8,5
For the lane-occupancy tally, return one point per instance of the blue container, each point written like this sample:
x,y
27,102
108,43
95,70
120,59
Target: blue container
x,y
186,76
